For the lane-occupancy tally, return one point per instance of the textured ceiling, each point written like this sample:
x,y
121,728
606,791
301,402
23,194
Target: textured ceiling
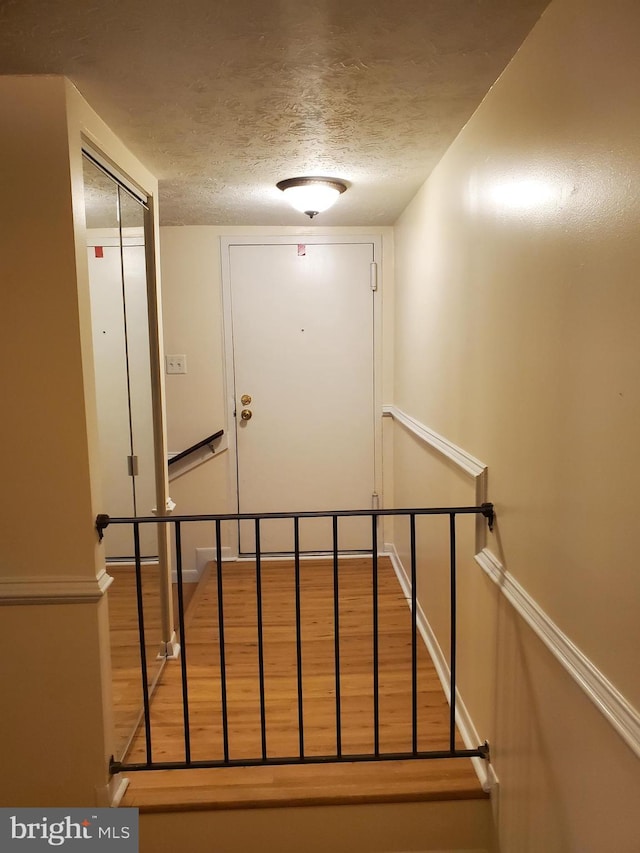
x,y
223,98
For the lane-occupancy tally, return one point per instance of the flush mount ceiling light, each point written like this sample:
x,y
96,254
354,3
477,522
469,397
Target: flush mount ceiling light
x,y
311,195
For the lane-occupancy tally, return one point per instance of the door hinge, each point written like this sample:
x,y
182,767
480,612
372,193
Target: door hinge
x,y
375,501
373,275
132,464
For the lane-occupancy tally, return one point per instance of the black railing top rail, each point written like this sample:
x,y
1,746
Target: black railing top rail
x,y
205,441
485,509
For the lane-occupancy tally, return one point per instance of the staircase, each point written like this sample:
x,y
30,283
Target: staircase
x,y
385,805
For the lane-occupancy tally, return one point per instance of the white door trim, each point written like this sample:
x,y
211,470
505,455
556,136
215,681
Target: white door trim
x,y
230,397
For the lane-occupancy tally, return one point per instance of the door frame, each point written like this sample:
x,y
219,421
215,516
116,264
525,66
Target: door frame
x,y
229,372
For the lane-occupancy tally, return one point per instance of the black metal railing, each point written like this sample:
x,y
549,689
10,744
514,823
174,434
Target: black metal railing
x,y
303,755
206,442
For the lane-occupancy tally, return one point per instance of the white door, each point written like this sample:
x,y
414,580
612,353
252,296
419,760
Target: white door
x,y
122,361
303,350
117,280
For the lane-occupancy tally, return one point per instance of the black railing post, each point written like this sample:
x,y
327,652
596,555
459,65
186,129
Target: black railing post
x,y
263,719
376,673
223,667
183,646
143,649
452,704
336,635
414,636
296,545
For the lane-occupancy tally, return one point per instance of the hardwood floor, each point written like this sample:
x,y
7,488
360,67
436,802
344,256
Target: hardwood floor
x,y
313,783
125,644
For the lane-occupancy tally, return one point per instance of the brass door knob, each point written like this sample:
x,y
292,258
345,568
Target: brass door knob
x,y
245,399
246,414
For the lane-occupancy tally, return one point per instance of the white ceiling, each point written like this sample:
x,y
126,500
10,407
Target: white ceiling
x,y
223,98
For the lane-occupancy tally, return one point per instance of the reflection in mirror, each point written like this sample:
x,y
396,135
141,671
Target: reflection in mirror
x,y
118,290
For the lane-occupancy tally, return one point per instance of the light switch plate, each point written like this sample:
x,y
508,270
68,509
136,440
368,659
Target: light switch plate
x,y
176,363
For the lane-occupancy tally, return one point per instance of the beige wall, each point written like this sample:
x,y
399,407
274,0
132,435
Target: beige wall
x,y
43,432
55,738
439,827
517,306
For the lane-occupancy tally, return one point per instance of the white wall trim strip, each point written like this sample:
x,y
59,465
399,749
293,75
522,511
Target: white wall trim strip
x,y
608,700
470,736
60,589
474,467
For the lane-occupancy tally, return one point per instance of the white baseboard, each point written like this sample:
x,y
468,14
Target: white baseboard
x,y
467,729
111,794
192,575
188,576
208,555
203,556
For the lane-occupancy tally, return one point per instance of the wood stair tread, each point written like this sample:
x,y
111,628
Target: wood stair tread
x,y
303,785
